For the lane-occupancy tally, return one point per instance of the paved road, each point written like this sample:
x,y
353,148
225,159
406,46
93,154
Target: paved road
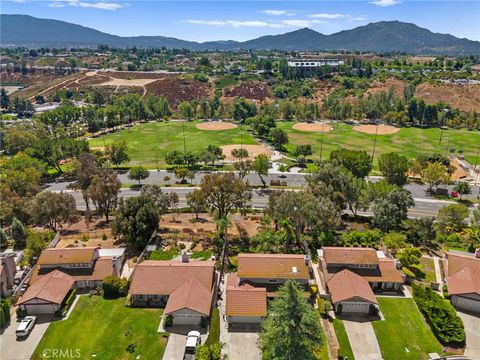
x,y
13,349
472,330
423,207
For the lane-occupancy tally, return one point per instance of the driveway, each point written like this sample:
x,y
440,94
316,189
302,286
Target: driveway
x,y
176,341
362,337
472,330
11,349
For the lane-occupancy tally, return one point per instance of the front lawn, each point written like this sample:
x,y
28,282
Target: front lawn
x,y
403,334
342,337
108,329
425,270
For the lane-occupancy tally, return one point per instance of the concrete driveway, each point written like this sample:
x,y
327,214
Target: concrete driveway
x,y
241,343
362,337
176,341
13,349
472,330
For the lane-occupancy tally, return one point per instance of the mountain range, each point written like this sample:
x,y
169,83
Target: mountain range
x,y
24,30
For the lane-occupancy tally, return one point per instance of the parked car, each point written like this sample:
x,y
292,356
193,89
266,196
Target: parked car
x,y
26,326
193,340
454,194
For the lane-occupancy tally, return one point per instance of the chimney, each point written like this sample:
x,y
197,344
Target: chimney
x,y
477,253
185,257
306,258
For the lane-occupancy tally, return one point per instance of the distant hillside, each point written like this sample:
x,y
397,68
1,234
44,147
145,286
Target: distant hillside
x,y
23,30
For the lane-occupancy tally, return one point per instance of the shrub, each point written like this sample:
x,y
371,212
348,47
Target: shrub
x,y
168,321
67,303
368,238
114,287
18,231
410,274
21,313
3,238
440,315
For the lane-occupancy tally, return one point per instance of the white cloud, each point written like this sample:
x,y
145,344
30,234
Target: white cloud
x,y
385,3
327,16
359,18
102,5
301,22
279,12
233,23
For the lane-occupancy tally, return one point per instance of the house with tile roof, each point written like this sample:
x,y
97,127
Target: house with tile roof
x,y
257,279
184,288
351,275
463,280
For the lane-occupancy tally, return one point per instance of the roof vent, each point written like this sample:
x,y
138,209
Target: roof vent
x,y
185,257
294,269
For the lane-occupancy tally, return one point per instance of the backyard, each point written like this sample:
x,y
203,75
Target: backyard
x,y
408,141
403,334
150,142
108,329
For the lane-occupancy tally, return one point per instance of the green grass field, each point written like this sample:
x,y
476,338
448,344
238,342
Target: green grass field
x,y
408,141
105,328
403,334
145,141
342,337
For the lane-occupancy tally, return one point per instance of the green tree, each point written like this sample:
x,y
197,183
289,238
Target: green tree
x,y
185,110
395,241
104,192
394,168
136,220
181,173
18,231
292,329
359,163
210,352
52,210
390,212
452,216
138,173
117,153
278,137
434,175
409,256
196,202
462,188
162,200
260,165
84,170
224,192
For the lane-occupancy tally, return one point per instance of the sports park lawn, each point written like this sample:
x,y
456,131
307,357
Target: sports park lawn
x,y
144,141
106,328
408,141
403,329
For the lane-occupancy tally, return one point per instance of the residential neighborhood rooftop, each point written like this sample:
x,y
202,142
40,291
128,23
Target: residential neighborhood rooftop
x,y
463,274
66,255
272,266
346,285
52,287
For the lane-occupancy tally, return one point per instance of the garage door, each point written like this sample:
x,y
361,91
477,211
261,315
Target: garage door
x,y
186,319
355,307
40,309
466,304
244,319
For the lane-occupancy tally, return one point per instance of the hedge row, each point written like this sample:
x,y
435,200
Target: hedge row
x,y
214,335
440,315
67,303
5,311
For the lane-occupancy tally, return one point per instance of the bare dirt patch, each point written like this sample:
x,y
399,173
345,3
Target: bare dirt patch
x,y
253,151
462,97
377,86
313,127
127,82
82,234
216,125
372,129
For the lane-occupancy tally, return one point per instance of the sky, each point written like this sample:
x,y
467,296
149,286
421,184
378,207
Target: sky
x,y
243,20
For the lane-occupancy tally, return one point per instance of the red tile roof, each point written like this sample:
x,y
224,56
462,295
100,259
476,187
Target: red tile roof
x,y
245,299
272,266
190,295
52,287
346,285
59,256
344,255
153,277
463,274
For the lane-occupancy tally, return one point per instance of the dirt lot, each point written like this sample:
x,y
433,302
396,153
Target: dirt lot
x,y
252,90
463,97
216,125
382,129
81,234
253,150
377,86
126,82
313,127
